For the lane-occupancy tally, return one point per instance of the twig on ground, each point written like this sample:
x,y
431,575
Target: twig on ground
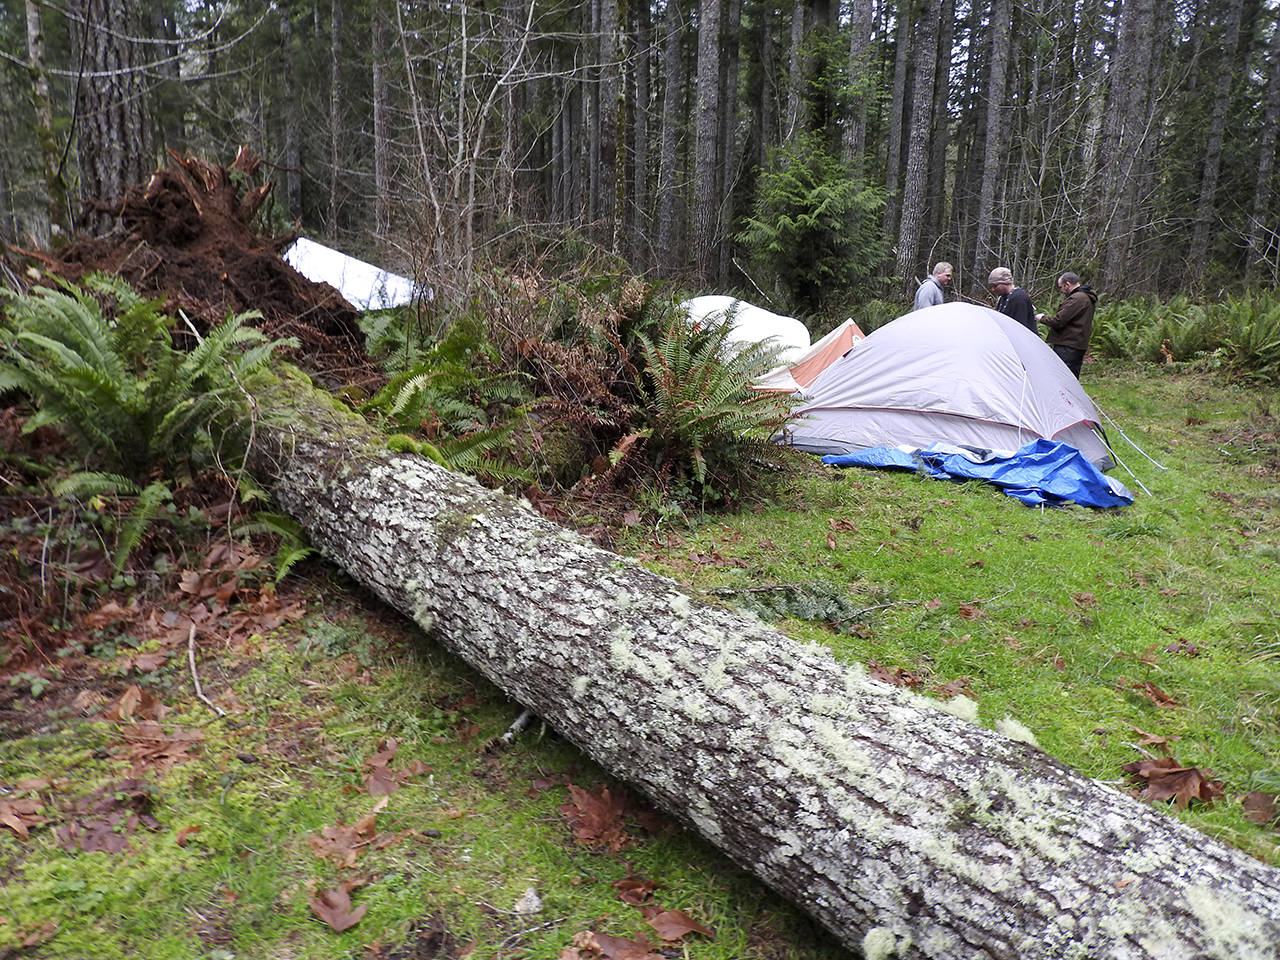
x,y
499,744
195,678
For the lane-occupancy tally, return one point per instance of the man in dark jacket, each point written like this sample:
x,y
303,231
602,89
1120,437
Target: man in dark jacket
x,y
1071,326
1010,300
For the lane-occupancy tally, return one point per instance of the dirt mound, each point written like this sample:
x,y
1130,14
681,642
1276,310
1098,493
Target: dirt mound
x,y
187,236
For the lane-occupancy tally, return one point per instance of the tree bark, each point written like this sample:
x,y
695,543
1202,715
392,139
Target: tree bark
x,y
906,830
113,141
669,220
55,186
1259,221
608,113
381,128
860,81
986,254
336,95
1206,204
921,128
797,101
706,202
897,124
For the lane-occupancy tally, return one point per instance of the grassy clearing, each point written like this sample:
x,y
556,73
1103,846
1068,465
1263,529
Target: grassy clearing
x,y
441,871
1056,618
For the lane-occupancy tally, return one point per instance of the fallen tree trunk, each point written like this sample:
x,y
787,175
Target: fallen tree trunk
x,y
907,831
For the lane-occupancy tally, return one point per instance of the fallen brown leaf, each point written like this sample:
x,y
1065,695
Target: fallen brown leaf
x,y
21,815
1163,779
596,818
1261,808
334,908
673,925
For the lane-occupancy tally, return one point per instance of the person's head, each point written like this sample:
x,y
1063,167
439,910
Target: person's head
x,y
1000,281
942,272
1068,282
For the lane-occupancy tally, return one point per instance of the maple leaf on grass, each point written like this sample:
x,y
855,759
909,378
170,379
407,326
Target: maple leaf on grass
x,y
897,676
334,907
673,925
21,815
1261,808
381,780
1155,694
591,945
1154,740
341,844
635,890
1164,779
596,818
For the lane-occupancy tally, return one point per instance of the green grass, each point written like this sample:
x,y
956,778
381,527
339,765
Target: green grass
x,y
463,841
1050,615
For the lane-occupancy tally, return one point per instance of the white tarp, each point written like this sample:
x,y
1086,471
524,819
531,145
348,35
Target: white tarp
x,y
955,373
750,324
363,285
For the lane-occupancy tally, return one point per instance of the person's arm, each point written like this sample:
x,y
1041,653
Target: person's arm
x,y
1071,308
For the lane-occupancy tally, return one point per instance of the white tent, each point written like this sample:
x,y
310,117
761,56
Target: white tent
x,y
956,373
749,324
800,374
363,285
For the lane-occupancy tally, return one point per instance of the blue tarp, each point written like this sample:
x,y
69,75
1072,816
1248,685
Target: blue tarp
x,y
1040,473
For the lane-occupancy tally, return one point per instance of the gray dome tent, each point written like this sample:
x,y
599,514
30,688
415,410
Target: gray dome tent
x,y
956,373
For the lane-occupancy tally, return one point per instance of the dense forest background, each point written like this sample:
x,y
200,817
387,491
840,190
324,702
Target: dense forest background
x,y
812,151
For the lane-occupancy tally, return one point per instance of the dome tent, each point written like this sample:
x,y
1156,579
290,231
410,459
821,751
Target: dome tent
x,y
800,373
749,325
957,373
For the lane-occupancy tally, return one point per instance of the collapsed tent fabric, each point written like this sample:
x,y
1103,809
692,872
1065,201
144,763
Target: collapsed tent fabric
x,y
363,285
749,324
800,374
954,373
1042,473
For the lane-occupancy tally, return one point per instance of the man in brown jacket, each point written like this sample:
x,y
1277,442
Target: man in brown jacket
x,y
1071,326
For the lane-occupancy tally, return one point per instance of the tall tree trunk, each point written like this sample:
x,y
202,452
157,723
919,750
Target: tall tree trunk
x,y
860,81
897,120
1206,204
936,196
1131,125
1260,221
610,94
913,187
505,175
998,116
706,203
336,94
113,136
905,830
797,101
54,186
292,140
381,131
669,190
641,242
729,126
769,134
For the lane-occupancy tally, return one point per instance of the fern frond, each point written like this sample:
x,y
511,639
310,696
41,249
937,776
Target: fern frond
x,y
150,502
87,483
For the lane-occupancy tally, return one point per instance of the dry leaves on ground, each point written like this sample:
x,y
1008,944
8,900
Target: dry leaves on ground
x,y
1163,778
